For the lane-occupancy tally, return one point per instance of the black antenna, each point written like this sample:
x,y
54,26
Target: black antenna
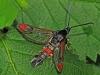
x,y
68,19
83,24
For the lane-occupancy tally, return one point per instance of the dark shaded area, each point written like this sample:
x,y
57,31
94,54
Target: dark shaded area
x,y
4,30
15,23
97,63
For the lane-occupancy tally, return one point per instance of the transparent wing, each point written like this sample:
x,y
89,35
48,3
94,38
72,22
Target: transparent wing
x,y
58,56
35,34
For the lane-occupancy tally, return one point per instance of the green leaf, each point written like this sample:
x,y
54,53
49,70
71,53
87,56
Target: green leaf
x,y
51,17
22,3
86,45
92,1
8,12
16,53
96,70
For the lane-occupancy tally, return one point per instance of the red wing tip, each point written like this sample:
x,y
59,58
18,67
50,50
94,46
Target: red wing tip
x,y
60,66
22,27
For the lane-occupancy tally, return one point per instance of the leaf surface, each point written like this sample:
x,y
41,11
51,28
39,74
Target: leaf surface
x,y
8,13
16,53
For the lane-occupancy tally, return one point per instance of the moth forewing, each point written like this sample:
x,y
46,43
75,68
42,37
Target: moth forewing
x,y
35,34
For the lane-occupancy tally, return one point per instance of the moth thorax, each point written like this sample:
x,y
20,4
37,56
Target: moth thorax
x,y
60,37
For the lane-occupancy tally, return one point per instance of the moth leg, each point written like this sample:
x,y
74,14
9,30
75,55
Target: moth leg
x,y
41,50
51,56
67,46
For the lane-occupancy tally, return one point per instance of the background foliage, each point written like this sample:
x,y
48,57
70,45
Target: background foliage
x,y
16,53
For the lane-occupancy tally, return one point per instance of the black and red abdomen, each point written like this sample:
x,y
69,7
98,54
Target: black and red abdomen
x,y
48,51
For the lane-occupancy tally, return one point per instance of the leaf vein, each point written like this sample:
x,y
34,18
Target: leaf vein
x,y
9,57
50,13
